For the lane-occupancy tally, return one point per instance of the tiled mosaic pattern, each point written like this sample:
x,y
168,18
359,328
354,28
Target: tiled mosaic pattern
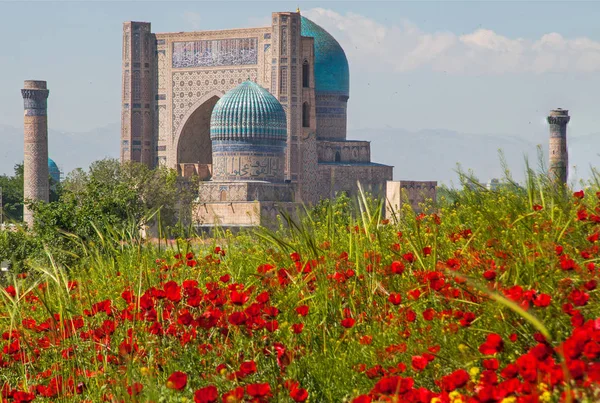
x,y
213,53
332,74
250,113
190,86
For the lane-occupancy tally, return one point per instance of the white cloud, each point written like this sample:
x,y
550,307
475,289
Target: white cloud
x,y
405,47
192,19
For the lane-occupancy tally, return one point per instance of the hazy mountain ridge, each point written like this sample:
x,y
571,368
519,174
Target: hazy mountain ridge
x,y
434,154
69,150
430,154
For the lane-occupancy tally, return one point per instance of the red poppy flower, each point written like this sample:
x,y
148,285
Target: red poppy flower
x,y
298,394
542,300
177,380
23,397
248,367
492,345
428,314
409,257
578,195
397,267
395,298
419,363
234,396
297,327
172,291
302,310
209,394
259,390
348,323
135,389
578,297
455,380
239,298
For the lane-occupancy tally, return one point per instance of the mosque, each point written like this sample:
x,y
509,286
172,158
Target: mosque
x,y
257,114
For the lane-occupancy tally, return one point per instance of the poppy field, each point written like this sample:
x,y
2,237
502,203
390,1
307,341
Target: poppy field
x,y
488,297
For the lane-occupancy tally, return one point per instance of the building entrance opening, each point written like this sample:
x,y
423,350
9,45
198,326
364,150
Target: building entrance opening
x,y
194,145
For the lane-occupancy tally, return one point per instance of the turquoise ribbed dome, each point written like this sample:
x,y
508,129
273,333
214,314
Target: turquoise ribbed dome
x,y
53,170
332,74
248,113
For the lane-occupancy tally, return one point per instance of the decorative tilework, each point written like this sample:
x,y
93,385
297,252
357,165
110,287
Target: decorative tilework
x,y
136,125
248,113
126,47
267,36
162,122
332,74
223,52
184,95
284,80
273,79
284,40
137,86
294,78
137,48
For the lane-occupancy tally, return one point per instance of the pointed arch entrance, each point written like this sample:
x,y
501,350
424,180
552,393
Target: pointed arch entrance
x,y
194,145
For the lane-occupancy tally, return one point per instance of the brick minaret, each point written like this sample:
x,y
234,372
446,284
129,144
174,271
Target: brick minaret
x,y
559,157
36,186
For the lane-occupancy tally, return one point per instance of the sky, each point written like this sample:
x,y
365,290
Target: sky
x,y
475,67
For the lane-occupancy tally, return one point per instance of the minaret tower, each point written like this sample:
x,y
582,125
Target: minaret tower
x,y
559,157
36,186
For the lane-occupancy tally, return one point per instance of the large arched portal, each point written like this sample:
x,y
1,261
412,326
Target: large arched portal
x,y
194,146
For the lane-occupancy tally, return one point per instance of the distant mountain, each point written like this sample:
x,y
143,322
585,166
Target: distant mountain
x,y
433,154
421,155
69,150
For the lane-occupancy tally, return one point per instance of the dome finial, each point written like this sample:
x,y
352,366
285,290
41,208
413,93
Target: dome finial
x,y
298,10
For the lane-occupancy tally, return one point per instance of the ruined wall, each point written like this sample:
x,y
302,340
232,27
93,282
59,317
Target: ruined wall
x,y
399,193
244,191
344,151
339,177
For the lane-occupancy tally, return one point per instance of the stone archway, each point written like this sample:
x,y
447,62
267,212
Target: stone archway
x,y
193,143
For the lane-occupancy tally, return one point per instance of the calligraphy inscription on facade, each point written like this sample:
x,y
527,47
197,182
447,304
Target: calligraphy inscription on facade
x,y
248,167
211,53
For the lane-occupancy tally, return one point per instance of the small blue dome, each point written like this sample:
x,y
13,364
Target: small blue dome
x,y
332,74
53,170
248,113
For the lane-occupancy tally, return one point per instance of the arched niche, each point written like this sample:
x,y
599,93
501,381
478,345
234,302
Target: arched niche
x,y
194,145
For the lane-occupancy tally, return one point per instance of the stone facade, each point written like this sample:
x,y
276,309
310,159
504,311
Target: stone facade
x,y
558,153
181,77
35,166
399,193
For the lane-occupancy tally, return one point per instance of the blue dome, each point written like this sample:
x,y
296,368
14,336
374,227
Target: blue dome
x,y
248,113
332,74
53,170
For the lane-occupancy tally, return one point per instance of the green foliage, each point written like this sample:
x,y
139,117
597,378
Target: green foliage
x,y
17,246
112,195
12,195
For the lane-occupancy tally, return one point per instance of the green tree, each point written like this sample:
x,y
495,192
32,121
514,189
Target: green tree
x,y
12,195
112,195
